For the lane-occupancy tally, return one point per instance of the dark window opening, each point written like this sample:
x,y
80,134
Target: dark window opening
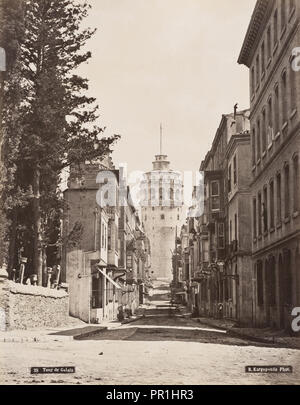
x,y
265,209
296,184
254,219
96,292
287,190
272,215
278,181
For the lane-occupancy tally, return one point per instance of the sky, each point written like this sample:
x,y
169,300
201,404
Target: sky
x,y
166,61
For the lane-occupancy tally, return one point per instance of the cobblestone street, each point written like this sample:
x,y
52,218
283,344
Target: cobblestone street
x,y
163,347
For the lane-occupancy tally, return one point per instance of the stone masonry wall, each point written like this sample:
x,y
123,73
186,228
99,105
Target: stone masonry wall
x,y
29,307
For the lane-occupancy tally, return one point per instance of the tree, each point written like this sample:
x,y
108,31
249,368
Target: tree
x,y
11,33
58,118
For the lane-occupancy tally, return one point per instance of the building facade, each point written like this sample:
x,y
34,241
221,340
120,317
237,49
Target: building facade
x,y
162,213
238,291
216,244
105,258
268,52
221,289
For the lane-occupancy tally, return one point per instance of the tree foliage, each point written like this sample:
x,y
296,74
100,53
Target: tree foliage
x,y
56,120
11,195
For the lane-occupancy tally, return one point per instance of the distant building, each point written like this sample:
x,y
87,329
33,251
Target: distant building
x,y
162,212
268,52
238,294
222,283
215,244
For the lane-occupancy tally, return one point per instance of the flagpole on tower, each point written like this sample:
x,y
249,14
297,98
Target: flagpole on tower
x,y
161,133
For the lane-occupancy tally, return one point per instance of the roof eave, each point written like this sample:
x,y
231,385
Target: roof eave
x,y
257,18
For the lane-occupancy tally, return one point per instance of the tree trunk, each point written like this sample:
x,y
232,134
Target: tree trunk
x,y
37,221
44,267
12,242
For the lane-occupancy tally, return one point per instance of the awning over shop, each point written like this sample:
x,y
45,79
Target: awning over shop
x,y
109,279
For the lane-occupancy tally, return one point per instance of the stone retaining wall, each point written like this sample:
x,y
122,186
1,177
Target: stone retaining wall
x,y
29,307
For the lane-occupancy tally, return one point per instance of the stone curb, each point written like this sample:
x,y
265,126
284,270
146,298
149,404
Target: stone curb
x,y
131,320
60,338
252,338
231,331
204,321
34,339
266,340
83,335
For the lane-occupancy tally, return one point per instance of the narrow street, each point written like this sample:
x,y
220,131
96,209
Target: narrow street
x,y
163,322
162,347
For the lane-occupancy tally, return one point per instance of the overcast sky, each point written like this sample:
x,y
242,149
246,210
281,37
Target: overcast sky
x,y
169,61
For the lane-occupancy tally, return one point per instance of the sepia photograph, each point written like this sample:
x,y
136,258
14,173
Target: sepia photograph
x,y
149,195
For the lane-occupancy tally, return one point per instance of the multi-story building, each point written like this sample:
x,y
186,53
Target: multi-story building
x,y
162,213
238,292
179,265
269,53
100,236
217,257
135,250
215,274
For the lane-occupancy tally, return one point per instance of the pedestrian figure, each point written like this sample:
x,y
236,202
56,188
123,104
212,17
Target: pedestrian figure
x,y
220,310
